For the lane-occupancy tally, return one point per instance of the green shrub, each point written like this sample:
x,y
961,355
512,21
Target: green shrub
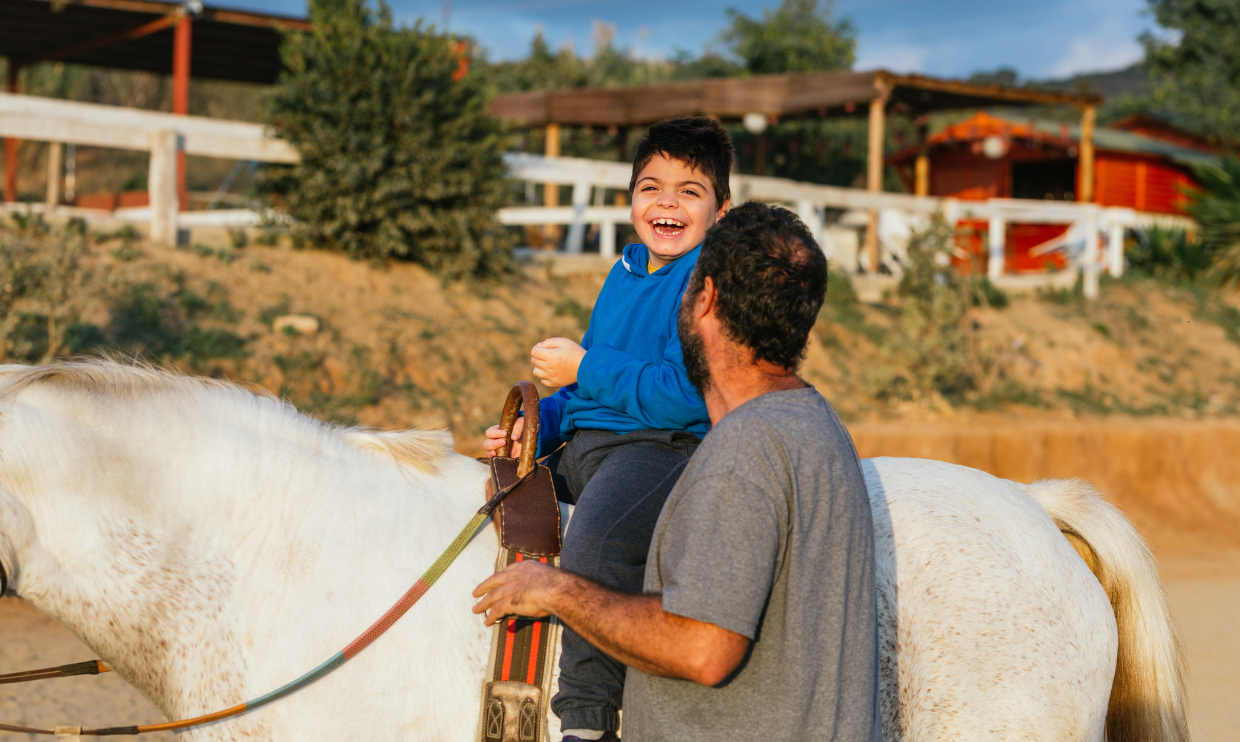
x,y
400,157
1168,254
1216,207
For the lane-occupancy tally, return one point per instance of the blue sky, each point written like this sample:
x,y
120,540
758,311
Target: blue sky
x,y
949,38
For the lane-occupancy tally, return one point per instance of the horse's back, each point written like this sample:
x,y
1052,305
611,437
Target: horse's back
x,y
990,624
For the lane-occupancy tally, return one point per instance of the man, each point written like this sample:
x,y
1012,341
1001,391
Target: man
x,y
759,618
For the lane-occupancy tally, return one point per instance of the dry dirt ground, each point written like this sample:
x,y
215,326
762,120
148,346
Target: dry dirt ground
x,y
1204,592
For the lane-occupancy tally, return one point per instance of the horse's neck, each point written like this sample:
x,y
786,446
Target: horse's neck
x,y
204,572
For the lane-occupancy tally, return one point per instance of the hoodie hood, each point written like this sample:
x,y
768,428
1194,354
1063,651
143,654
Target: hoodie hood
x,y
636,258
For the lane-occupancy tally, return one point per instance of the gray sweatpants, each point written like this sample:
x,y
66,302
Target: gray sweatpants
x,y
618,483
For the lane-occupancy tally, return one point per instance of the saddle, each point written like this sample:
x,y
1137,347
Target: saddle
x,y
517,687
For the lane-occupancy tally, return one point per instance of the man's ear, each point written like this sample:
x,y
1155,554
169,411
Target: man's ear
x,y
706,298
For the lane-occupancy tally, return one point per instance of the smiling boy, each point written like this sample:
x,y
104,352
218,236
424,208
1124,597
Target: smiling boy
x,y
626,410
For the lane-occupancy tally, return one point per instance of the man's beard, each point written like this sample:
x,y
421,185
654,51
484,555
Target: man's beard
x,y
692,348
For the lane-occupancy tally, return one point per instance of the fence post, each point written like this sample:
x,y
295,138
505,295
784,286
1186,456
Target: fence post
x,y
577,231
997,237
607,239
808,211
55,170
162,186
1090,257
1115,247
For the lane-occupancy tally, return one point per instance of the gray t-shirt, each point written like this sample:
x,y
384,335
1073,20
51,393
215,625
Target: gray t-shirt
x,y
768,534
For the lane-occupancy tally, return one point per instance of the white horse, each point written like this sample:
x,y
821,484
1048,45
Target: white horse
x,y
212,544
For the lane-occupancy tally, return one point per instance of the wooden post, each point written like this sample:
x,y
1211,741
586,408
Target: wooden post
x,y
162,183
921,167
759,154
551,191
182,37
1090,258
997,241
55,171
1085,189
11,145
874,171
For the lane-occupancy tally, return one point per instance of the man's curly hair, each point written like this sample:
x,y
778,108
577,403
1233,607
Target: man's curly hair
x,y
770,277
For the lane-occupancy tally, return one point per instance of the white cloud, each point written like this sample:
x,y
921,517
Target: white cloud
x,y
1092,54
895,57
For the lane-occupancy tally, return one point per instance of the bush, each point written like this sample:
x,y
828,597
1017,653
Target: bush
x,y
1216,207
936,350
399,155
1168,254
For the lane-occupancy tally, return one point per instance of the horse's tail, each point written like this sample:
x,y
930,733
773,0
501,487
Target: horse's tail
x,y
1148,696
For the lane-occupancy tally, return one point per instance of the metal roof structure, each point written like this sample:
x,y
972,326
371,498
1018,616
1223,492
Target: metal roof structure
x,y
138,35
776,96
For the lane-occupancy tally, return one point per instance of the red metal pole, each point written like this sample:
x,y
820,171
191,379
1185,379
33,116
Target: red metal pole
x,y
180,93
10,145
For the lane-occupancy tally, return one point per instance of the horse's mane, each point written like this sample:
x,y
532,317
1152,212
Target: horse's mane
x,y
422,449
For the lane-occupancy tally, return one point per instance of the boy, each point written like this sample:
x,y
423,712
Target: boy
x,y
626,409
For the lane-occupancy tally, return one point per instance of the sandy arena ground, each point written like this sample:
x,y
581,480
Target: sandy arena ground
x,y
1204,593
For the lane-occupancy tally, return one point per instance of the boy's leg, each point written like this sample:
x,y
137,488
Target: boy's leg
x,y
607,541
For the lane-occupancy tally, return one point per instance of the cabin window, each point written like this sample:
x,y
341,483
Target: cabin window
x,y
1053,180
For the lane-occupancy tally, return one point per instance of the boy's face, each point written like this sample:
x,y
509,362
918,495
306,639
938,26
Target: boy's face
x,y
673,206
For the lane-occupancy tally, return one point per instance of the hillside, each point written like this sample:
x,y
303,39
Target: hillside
x,y
398,347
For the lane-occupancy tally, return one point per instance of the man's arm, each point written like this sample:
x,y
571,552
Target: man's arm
x,y
633,629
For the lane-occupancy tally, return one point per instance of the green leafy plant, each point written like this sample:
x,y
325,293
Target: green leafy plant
x,y
1216,207
399,156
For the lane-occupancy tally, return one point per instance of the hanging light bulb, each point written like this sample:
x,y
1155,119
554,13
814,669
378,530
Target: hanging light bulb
x,y
754,123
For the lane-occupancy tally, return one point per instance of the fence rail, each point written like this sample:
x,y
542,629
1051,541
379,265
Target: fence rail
x,y
1093,242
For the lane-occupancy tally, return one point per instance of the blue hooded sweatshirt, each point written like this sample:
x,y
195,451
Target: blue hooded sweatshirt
x,y
633,374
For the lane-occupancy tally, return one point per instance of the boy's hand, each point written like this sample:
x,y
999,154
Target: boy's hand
x,y
495,439
556,361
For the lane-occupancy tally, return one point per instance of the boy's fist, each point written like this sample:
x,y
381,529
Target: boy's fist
x,y
556,361
495,439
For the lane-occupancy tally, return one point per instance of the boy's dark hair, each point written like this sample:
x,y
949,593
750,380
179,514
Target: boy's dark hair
x,y
699,141
770,280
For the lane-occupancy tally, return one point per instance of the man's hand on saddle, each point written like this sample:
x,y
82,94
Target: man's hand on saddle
x,y
522,589
556,361
496,437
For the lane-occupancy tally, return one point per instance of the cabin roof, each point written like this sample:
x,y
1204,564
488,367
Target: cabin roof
x,y
227,44
777,96
1059,134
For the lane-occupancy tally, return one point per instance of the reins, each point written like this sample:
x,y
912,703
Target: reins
x,y
385,622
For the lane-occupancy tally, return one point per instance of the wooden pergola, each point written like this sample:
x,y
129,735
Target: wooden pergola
x,y
790,96
179,39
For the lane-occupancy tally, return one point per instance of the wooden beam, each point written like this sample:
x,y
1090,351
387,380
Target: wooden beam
x,y
921,166
1085,189
551,191
874,170
100,42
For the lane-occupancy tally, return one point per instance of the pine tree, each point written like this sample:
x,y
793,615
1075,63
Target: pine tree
x,y
399,155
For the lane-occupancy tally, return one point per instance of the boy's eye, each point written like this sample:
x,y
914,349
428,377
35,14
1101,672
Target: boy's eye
x,y
691,192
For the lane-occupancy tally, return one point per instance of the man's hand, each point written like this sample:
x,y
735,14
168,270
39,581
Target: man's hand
x,y
522,589
556,361
496,437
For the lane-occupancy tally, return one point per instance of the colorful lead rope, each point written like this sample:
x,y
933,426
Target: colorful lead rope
x,y
384,623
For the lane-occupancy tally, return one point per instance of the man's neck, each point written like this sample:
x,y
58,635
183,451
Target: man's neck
x,y
739,383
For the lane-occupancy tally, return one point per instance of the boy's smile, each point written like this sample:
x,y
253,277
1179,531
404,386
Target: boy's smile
x,y
673,206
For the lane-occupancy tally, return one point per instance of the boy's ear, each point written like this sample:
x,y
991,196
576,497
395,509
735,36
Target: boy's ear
x,y
723,209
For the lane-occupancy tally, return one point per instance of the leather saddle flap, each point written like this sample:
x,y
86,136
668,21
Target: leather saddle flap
x,y
529,517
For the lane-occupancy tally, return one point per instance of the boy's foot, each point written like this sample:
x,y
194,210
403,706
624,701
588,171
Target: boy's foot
x,y
588,735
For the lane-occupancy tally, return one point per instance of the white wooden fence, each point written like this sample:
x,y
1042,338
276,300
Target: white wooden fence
x,y
164,135
1093,242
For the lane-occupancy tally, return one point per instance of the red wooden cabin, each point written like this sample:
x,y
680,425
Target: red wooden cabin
x,y
1142,163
